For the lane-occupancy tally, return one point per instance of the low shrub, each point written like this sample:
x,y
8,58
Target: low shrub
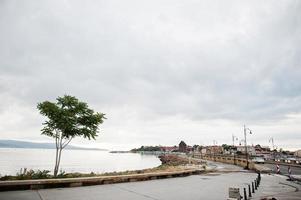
x,y
25,174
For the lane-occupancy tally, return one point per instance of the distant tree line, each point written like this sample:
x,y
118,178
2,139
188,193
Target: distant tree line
x,y
147,148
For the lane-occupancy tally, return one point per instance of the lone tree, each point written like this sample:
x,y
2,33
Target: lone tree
x,y
68,118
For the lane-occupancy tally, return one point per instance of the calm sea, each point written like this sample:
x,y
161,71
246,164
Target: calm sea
x,y
85,161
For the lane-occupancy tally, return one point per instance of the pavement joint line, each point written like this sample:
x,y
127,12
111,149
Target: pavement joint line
x,y
137,193
296,188
40,195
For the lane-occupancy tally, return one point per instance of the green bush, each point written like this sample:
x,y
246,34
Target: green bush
x,y
25,174
31,174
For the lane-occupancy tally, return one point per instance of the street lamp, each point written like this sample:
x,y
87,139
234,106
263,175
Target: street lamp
x,y
271,140
213,149
232,149
246,151
233,139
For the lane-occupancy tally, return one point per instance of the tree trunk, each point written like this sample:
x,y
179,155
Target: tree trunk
x,y
58,145
59,159
56,163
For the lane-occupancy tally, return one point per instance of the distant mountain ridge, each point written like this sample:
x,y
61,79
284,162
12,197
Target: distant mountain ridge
x,y
35,145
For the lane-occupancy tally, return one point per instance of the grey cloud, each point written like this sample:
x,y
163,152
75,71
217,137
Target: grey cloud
x,y
201,59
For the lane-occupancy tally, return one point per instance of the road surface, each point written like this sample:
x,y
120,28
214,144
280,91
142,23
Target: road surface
x,y
210,186
284,168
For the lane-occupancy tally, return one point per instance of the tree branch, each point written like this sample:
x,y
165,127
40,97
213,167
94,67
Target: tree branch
x,y
67,142
60,140
56,139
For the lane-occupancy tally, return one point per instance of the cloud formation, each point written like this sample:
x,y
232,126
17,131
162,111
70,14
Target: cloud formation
x,y
161,71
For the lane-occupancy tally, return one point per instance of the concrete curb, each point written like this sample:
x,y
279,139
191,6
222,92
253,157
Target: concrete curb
x,y
262,169
88,181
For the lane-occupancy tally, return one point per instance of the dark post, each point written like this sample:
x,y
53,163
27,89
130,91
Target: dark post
x,y
253,191
250,195
245,194
246,150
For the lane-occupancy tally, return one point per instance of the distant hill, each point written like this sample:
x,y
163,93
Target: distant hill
x,y
35,145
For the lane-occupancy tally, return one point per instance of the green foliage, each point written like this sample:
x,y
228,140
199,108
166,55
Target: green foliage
x,y
226,147
28,174
147,148
31,174
62,174
70,117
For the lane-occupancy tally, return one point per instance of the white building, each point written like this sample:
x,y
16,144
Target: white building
x,y
298,153
250,150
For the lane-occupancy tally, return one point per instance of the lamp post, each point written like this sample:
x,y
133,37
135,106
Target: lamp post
x,y
271,140
273,147
233,139
213,149
246,151
233,146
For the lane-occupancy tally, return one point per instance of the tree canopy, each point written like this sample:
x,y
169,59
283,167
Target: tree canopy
x,y
68,118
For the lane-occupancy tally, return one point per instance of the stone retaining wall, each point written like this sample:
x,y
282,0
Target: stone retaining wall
x,y
227,159
87,181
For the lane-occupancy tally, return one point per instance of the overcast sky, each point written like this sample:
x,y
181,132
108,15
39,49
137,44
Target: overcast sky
x,y
162,71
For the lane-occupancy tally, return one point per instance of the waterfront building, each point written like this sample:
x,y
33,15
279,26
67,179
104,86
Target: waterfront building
x,y
183,147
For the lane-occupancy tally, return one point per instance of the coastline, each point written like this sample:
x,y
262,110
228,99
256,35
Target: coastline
x,y
169,163
169,169
73,161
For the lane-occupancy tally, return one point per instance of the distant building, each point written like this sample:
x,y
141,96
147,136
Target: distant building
x,y
250,150
263,151
182,147
169,149
298,153
210,150
189,149
204,150
230,150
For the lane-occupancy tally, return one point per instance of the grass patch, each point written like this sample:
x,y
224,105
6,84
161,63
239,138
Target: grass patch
x,y
45,174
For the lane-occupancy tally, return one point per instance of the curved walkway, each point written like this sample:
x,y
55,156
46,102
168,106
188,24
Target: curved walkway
x,y
210,186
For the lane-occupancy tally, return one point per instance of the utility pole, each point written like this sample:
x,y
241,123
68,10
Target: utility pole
x,y
272,141
233,139
213,149
246,149
233,151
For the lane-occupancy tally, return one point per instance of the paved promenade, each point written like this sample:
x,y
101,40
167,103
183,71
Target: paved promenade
x,y
208,186
277,186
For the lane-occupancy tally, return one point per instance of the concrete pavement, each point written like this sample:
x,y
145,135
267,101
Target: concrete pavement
x,y
210,186
207,186
222,167
277,186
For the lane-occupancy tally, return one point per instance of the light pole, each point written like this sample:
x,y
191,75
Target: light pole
x,y
274,148
233,139
246,151
271,140
233,151
213,149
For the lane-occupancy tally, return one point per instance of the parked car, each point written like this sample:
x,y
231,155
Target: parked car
x,y
258,160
